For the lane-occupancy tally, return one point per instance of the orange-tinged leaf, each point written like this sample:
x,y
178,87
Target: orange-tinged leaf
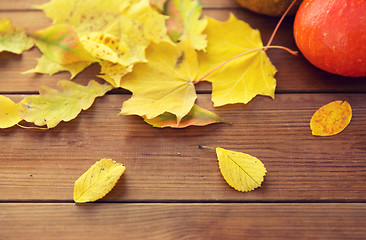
x,y
13,39
158,5
240,80
184,21
98,180
9,115
175,23
331,118
241,171
198,116
60,43
51,106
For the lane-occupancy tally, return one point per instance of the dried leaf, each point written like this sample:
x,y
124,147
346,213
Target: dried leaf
x,y
99,15
185,21
52,106
46,66
196,117
9,115
84,15
164,83
97,181
106,47
115,31
102,46
241,171
242,79
113,72
153,23
13,39
60,43
175,22
331,119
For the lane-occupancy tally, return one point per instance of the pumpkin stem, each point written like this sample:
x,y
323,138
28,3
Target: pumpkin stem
x,y
278,25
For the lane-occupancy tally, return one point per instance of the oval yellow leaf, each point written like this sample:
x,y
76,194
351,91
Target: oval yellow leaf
x,y
241,171
331,119
98,180
9,115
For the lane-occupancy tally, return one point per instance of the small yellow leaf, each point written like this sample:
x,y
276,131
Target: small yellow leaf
x,y
97,181
241,171
331,119
9,115
13,39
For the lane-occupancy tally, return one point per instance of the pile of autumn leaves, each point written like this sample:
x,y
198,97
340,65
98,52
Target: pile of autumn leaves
x,y
158,50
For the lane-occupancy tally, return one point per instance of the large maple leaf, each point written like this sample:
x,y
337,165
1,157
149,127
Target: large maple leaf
x,y
164,83
243,78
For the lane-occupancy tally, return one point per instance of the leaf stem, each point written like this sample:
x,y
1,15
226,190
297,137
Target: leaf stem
x,y
278,25
241,54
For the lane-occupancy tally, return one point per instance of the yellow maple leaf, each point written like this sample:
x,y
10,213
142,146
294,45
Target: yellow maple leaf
x,y
9,115
164,83
331,118
46,66
52,106
241,171
98,180
13,39
241,79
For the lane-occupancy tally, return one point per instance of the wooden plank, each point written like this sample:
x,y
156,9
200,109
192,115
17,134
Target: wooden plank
x,y
27,4
166,165
294,72
183,221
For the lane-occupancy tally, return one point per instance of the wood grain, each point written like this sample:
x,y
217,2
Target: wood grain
x,y
166,165
314,189
182,221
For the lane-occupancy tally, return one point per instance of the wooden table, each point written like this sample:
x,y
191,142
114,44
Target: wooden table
x,y
315,187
